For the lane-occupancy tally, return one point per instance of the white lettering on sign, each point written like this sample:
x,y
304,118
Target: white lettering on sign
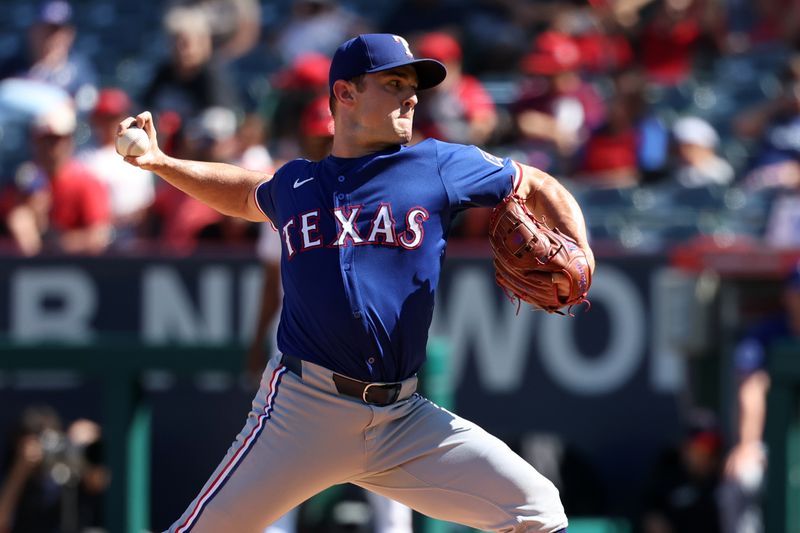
x,y
501,342
250,294
62,304
52,304
611,368
668,365
169,315
500,339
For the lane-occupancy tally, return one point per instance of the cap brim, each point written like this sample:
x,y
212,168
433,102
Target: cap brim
x,y
430,72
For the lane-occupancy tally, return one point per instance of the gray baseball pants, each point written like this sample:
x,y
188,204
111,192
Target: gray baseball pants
x,y
302,437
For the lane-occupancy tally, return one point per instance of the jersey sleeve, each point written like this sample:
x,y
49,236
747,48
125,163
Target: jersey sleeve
x,y
267,193
475,178
264,197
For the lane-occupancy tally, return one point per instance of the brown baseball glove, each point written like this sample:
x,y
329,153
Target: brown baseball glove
x,y
536,264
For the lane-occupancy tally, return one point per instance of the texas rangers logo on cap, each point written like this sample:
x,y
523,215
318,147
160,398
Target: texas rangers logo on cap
x,y
405,45
374,52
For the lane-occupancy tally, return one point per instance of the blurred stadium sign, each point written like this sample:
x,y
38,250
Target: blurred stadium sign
x,y
605,381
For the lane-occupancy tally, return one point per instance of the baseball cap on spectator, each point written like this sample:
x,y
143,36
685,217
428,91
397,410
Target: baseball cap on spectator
x,y
55,13
695,131
439,46
374,52
308,71
60,121
186,20
703,431
112,102
554,53
316,120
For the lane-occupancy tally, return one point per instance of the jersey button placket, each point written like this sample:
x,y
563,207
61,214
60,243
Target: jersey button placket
x,y
346,254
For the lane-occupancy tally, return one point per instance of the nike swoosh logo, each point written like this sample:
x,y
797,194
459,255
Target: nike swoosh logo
x,y
298,183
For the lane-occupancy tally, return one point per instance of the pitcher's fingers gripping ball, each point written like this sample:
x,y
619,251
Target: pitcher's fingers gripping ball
x,y
132,142
536,264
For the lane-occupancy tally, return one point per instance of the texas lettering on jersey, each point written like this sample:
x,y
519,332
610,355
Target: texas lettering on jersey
x,y
302,233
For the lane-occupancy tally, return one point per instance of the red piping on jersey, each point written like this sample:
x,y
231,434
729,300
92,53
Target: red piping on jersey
x,y
516,180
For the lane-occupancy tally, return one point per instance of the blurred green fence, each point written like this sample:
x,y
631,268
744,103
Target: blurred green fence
x,y
782,435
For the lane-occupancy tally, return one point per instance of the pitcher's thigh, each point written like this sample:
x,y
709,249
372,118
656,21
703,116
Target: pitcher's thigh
x,y
458,472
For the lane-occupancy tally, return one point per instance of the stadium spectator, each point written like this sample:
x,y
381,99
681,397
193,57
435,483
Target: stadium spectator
x,y
556,108
49,56
604,48
316,26
698,163
496,33
53,479
296,86
632,146
676,34
316,129
251,138
783,221
130,189
61,205
747,459
191,80
179,221
681,496
235,24
459,109
770,23
776,162
610,156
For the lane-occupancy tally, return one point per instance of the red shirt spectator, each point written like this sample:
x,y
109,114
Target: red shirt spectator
x,y
604,52
79,199
60,202
677,31
611,155
607,151
182,218
459,109
556,109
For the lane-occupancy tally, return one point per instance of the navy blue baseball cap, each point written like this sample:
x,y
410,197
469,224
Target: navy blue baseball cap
x,y
374,52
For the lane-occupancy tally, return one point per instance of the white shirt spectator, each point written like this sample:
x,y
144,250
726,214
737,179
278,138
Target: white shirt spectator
x,y
130,189
699,165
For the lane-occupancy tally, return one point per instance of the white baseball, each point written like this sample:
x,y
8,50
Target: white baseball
x,y
133,142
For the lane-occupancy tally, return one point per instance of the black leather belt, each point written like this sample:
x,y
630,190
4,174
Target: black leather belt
x,y
372,393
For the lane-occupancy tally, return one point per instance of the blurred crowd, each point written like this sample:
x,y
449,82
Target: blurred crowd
x,y
669,119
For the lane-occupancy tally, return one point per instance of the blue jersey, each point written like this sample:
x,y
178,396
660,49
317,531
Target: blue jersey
x,y
363,240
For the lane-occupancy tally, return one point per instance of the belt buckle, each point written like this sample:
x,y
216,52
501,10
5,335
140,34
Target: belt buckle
x,y
366,390
395,393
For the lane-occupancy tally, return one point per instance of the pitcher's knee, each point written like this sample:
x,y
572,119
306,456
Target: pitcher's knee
x,y
543,511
